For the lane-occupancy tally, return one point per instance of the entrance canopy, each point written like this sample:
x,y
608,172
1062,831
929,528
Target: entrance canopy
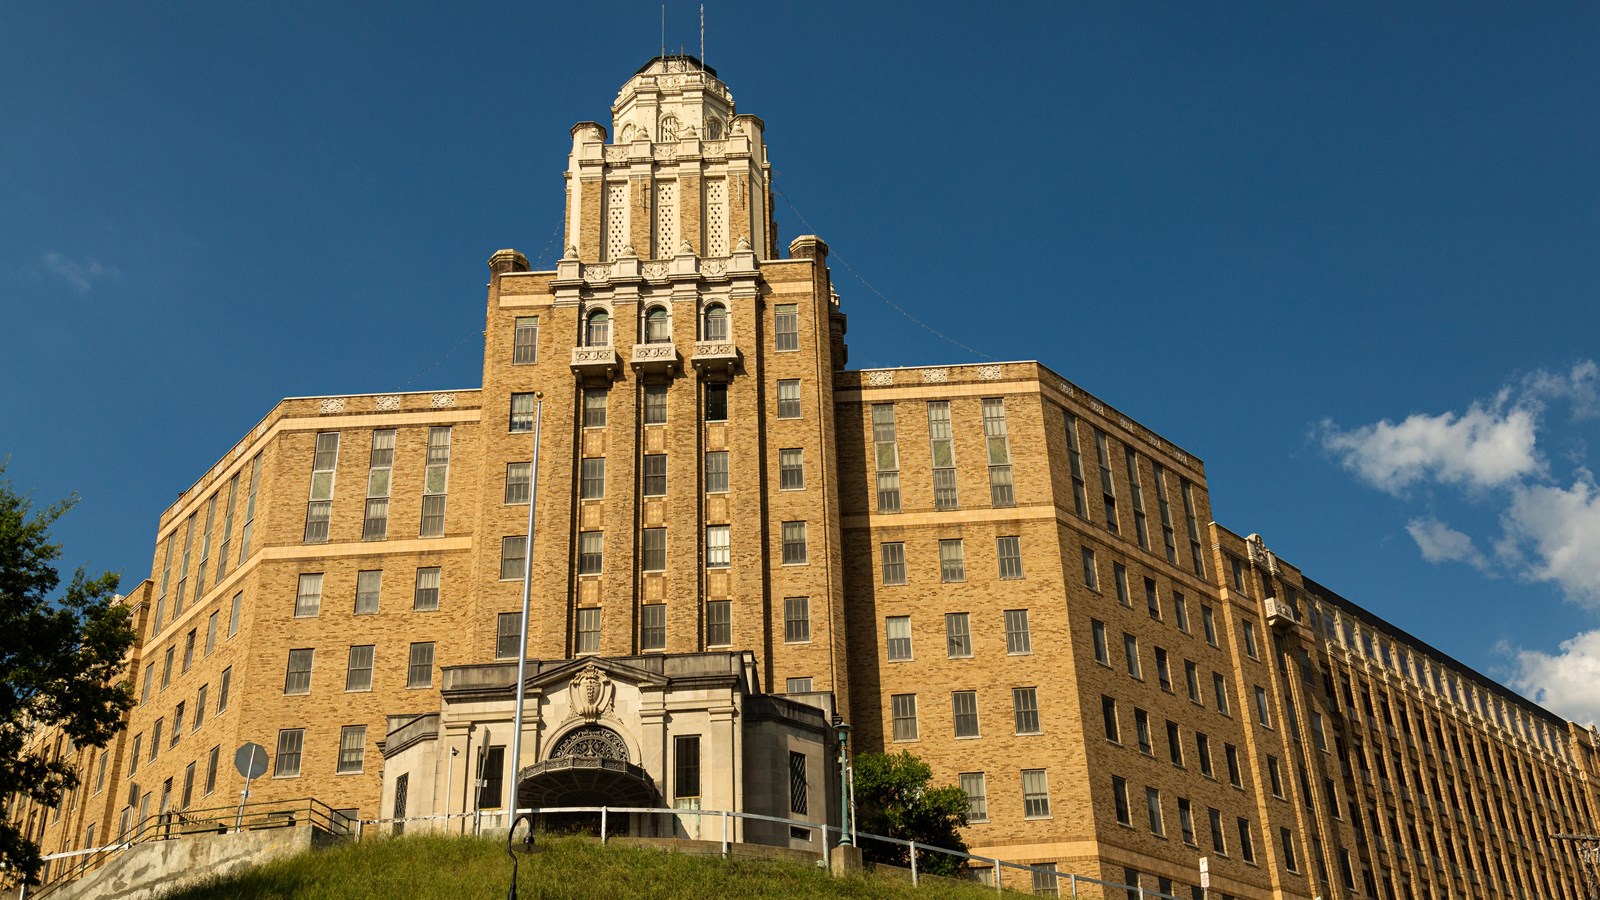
x,y
586,781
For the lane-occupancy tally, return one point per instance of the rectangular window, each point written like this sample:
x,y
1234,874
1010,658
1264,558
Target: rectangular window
x,y
177,724
320,505
588,637
211,770
133,759
1075,458
1119,797
222,689
1168,540
1130,651
1263,711
1287,841
886,456
249,509
716,402
958,635
653,626
903,716
964,709
1008,550
653,550
943,449
894,562
798,778
796,620
308,595
1219,841
1108,491
513,556
1152,806
952,560
1141,730
1196,558
1108,716
188,650
1219,689
1035,794
717,472
435,482
791,469
797,685
1230,754
236,614
1091,577
1025,708
1180,612
1174,743
786,327
897,636
166,667
491,775
525,341
1119,575
686,770
972,784
655,404
290,742
654,482
1136,498
1186,820
369,584
1274,776
522,406
199,707
594,407
1152,601
719,623
297,677
211,632
205,548
1247,850
358,669
1163,673
592,481
425,596
1018,641
718,553
789,398
591,552
1102,653
227,530
1209,623
794,543
380,467
508,635
419,665
999,450
352,748
1250,639
1202,750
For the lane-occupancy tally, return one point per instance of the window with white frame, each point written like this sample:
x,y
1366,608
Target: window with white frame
x,y
508,635
597,329
592,479
291,741
717,472
380,467
894,562
594,407
653,550
957,635
1169,539
657,326
653,626
719,623
952,560
369,586
897,636
588,636
1108,489
1136,497
308,595
519,483
1091,576
714,323
1035,794
1018,641
795,552
655,404
964,711
886,457
352,748
1196,557
525,341
789,398
1025,706
358,668
1080,497
654,476
249,510
791,469
522,405
435,482
419,665
1097,631
972,784
513,556
786,327
797,685
591,552
796,620
903,716
1008,550
999,450
319,508
1130,650
942,447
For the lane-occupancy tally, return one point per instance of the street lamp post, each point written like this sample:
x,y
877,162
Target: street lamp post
x,y
842,730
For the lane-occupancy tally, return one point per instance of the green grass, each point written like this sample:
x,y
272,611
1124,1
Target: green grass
x,y
454,868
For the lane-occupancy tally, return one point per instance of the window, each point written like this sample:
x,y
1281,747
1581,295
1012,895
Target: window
x,y
1246,848
897,633
222,689
592,482
655,404
597,329
211,632
1008,550
786,326
1167,539
972,784
1321,738
653,626
1136,497
1219,841
1097,630
177,724
964,709
794,543
1231,754
352,748
886,456
1141,729
588,637
714,325
791,469
188,650
375,524
290,743
1152,602
236,614
525,341
653,550
894,562
369,584
211,770
1130,650
1202,749
1174,743
717,472
1075,457
133,759
999,450
594,407
1035,794
903,716
358,670
1119,575
508,635
1018,641
491,774
1186,820
952,560
657,326
1152,805
1025,706
943,449
1108,491
1196,558
797,685
1263,711
1119,796
166,667
318,508
1209,623
425,596
719,623
1237,568
958,635
1091,578
522,405
249,511
307,598
591,552
1108,713
717,551
686,771
297,677
1250,639
655,474
798,778
419,665
1180,612
513,556
1287,841
789,398
716,402
1274,776
796,620
435,480
1219,688
1163,675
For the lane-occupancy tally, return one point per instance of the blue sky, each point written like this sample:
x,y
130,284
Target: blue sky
x,y
1346,255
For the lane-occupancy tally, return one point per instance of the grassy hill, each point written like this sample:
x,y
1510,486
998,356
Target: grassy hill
x,y
452,868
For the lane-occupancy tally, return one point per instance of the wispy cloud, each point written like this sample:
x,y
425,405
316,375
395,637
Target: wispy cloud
x,y
82,274
1441,543
1563,681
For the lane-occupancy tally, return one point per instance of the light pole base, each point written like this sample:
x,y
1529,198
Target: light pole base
x,y
845,860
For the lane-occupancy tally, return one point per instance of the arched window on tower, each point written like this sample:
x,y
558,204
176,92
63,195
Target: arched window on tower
x,y
597,329
716,323
657,327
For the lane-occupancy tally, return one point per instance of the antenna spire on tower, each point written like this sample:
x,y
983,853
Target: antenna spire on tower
x,y
702,37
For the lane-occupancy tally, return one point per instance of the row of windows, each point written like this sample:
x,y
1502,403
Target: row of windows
x,y
958,635
1245,845
369,592
351,757
195,713
952,559
170,657
224,548
1035,795
653,550
964,714
1176,753
653,475
1177,602
592,410
380,469
358,668
655,327
941,448
1191,676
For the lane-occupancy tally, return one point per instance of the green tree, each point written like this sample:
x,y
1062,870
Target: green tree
x,y
893,799
60,658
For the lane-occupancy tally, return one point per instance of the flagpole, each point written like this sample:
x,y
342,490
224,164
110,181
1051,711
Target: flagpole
x,y
522,638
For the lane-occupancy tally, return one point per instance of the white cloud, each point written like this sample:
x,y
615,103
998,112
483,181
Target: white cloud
x,y
1441,543
1579,385
1487,446
1563,681
80,273
1562,528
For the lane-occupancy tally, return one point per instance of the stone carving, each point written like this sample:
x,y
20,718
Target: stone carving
x,y
743,245
616,155
389,403
442,401
684,249
989,373
935,376
597,273
714,267
591,742
332,405
570,253
714,148
582,355
591,693
1126,424
880,378
667,152
1097,407
654,352
628,252
714,348
1260,556
655,270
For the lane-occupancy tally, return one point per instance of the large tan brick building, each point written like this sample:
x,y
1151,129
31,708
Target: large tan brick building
x,y
983,564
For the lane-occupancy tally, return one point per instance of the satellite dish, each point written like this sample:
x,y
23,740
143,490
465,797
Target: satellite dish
x,y
251,760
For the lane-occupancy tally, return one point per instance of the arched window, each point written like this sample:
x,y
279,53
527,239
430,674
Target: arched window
x,y
598,330
657,328
716,323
